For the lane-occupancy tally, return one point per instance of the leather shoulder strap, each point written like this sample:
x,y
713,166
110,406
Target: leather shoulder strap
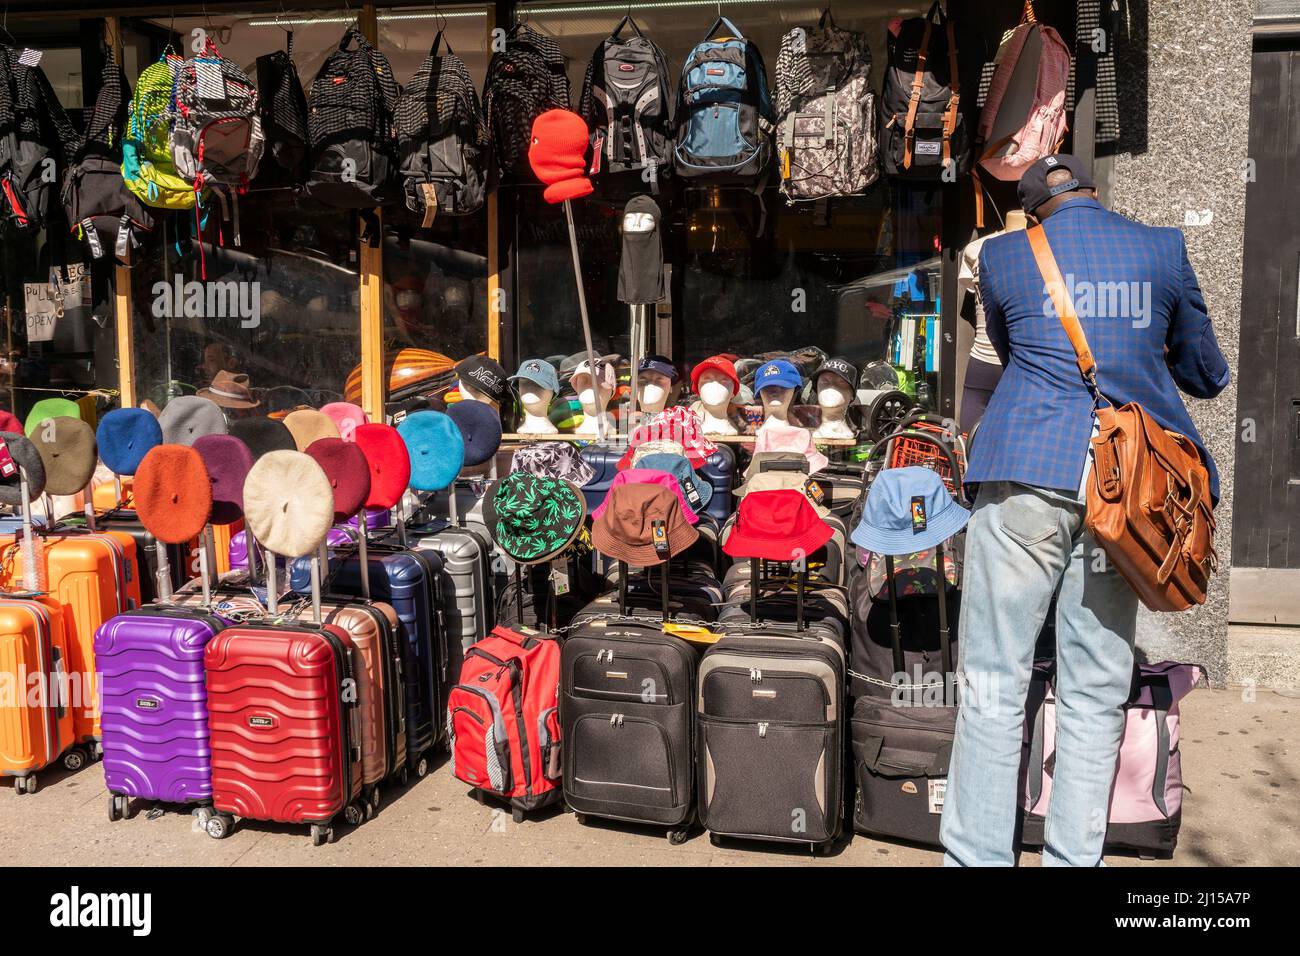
x,y
1061,301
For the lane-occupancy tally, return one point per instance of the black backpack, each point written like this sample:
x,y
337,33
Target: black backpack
x,y
627,104
284,120
101,211
918,138
352,158
37,143
441,139
524,80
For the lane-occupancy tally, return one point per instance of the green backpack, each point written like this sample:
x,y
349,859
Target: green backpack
x,y
147,166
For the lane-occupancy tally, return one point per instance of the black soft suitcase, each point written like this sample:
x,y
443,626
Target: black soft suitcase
x,y
661,601
770,744
689,581
902,741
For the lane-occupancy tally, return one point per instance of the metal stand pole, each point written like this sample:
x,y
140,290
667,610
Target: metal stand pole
x,y
582,309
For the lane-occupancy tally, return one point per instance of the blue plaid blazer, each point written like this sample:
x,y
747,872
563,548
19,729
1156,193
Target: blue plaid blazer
x,y
1136,294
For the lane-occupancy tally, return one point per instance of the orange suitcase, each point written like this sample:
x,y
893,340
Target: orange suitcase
x,y
35,716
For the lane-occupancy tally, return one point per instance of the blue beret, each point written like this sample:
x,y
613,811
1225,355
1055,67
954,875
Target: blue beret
x,y
436,448
480,428
125,436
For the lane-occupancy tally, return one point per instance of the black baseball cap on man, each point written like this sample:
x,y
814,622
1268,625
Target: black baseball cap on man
x,y
484,374
1033,189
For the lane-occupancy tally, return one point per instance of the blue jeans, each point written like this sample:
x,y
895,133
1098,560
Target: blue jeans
x,y
1022,545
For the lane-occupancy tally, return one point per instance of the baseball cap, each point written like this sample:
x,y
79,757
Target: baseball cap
x,y
777,374
1033,189
539,372
484,374
661,364
840,367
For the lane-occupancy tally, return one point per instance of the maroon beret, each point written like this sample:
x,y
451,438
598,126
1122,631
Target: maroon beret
x,y
348,471
228,460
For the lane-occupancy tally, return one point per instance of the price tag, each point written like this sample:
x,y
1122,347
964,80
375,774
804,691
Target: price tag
x,y
937,790
7,466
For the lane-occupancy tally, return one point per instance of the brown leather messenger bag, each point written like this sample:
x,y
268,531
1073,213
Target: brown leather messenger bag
x,y
1149,501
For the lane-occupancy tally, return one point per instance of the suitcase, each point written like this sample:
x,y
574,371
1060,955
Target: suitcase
x,y
627,711
182,559
719,468
842,485
154,705
34,733
528,596
770,743
902,740
661,602
688,581
503,720
468,583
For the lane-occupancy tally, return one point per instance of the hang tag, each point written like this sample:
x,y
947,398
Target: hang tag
x,y
430,197
937,790
785,164
211,84
597,151
560,577
30,57
659,532
92,237
816,494
918,514
692,495
7,467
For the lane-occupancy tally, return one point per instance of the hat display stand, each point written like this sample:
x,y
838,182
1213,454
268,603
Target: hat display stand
x,y
34,571
582,309
664,597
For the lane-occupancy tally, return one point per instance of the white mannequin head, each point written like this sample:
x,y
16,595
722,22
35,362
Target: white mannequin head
x,y
473,394
653,389
834,395
776,401
536,401
716,391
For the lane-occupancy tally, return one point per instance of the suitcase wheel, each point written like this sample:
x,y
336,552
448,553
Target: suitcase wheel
x,y
715,839
119,807
320,834
219,825
25,784
372,805
403,776
201,817
74,759
422,767
678,837
354,814
581,818
517,815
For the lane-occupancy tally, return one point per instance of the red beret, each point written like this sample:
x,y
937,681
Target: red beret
x,y
8,423
173,493
390,463
348,471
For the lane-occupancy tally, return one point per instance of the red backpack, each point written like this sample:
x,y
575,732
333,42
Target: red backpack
x,y
504,721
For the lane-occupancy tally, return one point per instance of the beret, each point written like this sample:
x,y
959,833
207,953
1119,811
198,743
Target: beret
x,y
50,408
25,455
67,447
262,435
480,428
436,448
173,494
307,425
288,503
348,472
346,416
125,436
9,422
228,461
389,461
188,417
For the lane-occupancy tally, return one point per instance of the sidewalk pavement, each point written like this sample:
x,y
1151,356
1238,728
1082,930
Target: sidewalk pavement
x,y
1241,764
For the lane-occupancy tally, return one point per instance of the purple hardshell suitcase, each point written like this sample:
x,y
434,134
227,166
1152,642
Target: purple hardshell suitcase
x,y
154,702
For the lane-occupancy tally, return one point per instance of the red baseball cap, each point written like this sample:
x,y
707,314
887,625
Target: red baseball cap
x,y
173,493
716,363
346,467
776,525
390,463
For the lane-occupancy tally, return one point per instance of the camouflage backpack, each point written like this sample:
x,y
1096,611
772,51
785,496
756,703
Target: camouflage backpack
x,y
825,108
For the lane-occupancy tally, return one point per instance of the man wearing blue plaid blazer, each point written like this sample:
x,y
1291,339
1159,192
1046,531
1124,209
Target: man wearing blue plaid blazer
x,y
1145,319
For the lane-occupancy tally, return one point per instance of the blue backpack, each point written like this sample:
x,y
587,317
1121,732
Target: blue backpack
x,y
725,115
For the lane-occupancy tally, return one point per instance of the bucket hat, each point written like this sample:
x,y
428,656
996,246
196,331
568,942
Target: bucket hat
x,y
288,503
348,472
556,459
715,363
347,416
389,460
908,510
776,435
125,436
678,424
228,461
50,408
777,526
696,488
532,518
187,417
230,390
777,373
307,425
28,459
173,493
634,517
782,481
539,372
435,448
67,448
659,446
480,430
644,476
262,435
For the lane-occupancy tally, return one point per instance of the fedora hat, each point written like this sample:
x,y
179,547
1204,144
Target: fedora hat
x,y
288,503
638,515
348,472
389,462
908,510
306,425
436,448
533,518
125,436
480,428
188,417
67,448
230,390
173,493
28,460
228,461
777,526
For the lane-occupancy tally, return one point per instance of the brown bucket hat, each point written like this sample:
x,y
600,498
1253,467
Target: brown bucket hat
x,y
634,516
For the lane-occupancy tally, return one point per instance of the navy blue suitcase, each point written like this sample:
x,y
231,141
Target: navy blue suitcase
x,y
719,468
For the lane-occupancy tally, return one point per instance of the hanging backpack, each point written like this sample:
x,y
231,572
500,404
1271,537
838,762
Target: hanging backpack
x,y
441,139
524,80
724,112
826,112
284,119
147,166
37,141
922,123
627,105
1023,118
353,154
101,211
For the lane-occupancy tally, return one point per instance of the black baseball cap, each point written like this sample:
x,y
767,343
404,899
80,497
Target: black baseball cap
x,y
661,364
484,374
841,367
1033,189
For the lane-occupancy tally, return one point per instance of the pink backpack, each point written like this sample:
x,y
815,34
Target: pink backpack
x,y
1147,797
1008,141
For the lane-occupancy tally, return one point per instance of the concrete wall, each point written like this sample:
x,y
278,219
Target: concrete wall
x,y
1183,87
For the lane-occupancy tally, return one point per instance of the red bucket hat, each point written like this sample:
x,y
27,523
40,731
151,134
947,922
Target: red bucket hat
x,y
777,526
389,461
173,493
678,424
348,471
227,460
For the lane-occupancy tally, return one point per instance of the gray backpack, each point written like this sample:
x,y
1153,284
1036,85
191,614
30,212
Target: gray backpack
x,y
825,109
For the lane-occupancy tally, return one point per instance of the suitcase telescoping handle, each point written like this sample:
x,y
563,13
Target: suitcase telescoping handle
x,y
914,433
664,610
800,566
896,629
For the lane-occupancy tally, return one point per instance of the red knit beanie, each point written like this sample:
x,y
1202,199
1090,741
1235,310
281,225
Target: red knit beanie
x,y
558,155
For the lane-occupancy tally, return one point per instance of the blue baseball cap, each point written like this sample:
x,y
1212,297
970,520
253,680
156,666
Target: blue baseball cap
x,y
661,364
908,510
777,374
539,372
697,490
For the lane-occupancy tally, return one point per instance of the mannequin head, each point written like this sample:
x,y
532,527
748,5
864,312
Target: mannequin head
x,y
776,401
1016,220
832,391
473,394
536,401
715,388
656,375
